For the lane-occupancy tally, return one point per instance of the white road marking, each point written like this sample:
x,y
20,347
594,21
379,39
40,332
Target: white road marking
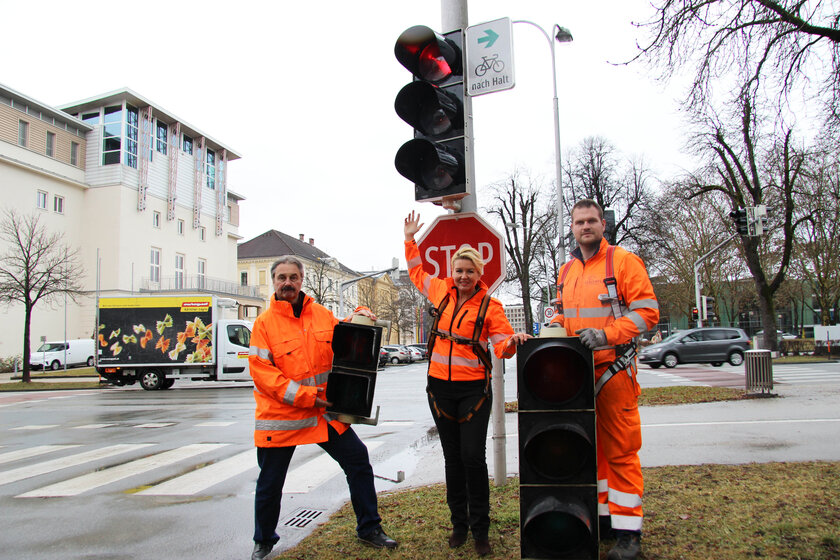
x,y
31,452
155,425
201,479
93,426
315,472
35,427
215,424
89,481
73,460
741,422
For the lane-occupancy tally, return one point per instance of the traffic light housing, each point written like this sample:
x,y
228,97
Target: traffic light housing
x,y
694,314
433,104
708,307
739,216
558,494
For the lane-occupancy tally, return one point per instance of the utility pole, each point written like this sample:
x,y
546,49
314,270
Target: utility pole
x,y
697,263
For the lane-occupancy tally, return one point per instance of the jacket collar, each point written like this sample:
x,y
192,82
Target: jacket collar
x,y
285,308
576,253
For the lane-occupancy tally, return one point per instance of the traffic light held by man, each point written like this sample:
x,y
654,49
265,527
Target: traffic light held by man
x,y
606,298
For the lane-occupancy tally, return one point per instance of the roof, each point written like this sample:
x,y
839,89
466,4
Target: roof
x,y
275,243
159,113
20,99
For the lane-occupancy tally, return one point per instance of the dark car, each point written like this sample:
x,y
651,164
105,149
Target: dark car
x,y
713,345
383,356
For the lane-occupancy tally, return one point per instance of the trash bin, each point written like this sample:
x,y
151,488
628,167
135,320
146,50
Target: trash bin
x,y
759,371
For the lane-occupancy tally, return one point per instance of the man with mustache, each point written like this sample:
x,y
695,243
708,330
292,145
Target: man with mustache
x,y
290,360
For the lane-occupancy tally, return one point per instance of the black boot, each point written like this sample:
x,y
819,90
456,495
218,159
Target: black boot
x,y
628,545
605,531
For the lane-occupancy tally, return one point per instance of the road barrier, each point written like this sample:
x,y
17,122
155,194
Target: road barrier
x,y
759,371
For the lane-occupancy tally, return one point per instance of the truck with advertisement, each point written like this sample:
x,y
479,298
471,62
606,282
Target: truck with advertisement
x,y
156,339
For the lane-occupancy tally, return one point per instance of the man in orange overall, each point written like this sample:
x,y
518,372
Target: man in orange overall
x,y
290,361
607,299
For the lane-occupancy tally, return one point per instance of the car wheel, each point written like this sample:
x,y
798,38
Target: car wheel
x,y
55,365
670,360
395,360
151,380
736,358
655,366
717,364
90,361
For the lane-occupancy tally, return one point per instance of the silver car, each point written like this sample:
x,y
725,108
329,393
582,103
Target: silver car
x,y
713,345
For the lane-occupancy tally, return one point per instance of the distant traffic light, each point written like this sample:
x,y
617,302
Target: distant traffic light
x,y
558,493
434,105
708,307
694,314
739,216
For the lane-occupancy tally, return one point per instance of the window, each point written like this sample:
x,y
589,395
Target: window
x,y
188,144
243,278
58,204
154,270
180,227
112,135
51,144
162,133
211,169
23,133
132,123
74,153
156,219
200,272
42,200
202,233
179,271
91,118
239,335
262,277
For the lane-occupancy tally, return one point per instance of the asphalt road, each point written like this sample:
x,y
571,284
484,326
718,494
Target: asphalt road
x,y
121,472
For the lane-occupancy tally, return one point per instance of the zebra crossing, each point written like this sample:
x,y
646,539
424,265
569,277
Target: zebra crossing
x,y
109,467
805,374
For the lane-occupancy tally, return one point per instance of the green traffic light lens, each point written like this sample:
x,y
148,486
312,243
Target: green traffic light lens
x,y
557,533
556,374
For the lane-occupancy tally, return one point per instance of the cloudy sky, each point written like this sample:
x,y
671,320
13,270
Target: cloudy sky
x,y
305,92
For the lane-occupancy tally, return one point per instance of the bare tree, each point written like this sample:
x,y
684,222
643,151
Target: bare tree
x,y
777,44
319,283
38,266
519,207
596,170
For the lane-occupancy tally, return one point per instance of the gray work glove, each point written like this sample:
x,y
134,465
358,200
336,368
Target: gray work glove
x,y
592,338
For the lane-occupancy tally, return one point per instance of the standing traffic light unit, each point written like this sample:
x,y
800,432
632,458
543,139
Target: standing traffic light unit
x,y
557,450
434,105
739,216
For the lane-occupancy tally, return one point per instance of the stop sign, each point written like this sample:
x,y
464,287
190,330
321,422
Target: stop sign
x,y
450,232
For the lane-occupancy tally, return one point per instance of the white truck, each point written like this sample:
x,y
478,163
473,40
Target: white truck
x,y
156,339
55,355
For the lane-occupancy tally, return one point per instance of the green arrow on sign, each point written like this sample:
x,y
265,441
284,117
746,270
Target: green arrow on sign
x,y
490,39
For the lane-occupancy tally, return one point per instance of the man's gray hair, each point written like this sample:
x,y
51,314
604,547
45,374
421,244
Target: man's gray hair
x,y
287,259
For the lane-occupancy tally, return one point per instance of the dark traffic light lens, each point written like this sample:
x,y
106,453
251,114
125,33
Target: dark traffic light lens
x,y
557,529
558,452
555,374
436,122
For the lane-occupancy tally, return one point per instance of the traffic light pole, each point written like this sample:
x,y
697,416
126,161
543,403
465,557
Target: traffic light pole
x,y
453,15
697,263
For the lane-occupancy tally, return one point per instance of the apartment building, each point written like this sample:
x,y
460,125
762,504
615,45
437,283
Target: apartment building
x,y
143,195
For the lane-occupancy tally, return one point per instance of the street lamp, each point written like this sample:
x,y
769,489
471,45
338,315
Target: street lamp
x,y
561,35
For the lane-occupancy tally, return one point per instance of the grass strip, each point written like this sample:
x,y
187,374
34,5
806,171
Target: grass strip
x,y
48,386
725,512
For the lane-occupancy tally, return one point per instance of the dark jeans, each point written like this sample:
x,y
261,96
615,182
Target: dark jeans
x,y
350,453
467,481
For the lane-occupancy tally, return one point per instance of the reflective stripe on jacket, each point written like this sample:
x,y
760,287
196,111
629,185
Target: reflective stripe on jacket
x,y
448,360
290,357
582,308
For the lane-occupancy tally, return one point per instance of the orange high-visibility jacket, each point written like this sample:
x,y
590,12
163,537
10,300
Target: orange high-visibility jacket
x,y
582,308
448,360
290,358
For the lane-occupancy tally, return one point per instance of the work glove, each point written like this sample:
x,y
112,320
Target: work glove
x,y
592,338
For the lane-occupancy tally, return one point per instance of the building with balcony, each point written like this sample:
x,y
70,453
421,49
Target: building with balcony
x,y
143,195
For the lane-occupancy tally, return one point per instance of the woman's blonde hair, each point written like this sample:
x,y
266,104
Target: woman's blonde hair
x,y
467,252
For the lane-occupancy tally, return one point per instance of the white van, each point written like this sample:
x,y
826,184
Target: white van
x,y
52,354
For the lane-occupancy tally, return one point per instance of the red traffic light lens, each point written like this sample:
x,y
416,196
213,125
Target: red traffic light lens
x,y
555,374
432,64
428,55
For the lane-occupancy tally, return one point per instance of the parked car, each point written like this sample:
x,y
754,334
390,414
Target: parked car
x,y
779,335
398,354
423,347
713,345
51,355
383,357
416,353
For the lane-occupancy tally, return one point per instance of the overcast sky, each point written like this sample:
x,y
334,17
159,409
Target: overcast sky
x,y
305,92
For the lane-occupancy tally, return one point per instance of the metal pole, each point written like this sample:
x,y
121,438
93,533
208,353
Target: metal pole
x,y
453,15
66,272
697,275
499,431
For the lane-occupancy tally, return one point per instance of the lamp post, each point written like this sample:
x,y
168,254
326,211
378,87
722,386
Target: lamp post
x,y
561,35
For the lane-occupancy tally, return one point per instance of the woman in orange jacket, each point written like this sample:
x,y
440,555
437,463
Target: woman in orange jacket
x,y
458,388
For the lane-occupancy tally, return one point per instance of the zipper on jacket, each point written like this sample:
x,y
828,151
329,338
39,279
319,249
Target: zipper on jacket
x,y
452,322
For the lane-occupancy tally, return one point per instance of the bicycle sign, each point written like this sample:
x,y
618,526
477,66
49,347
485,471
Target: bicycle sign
x,y
489,50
